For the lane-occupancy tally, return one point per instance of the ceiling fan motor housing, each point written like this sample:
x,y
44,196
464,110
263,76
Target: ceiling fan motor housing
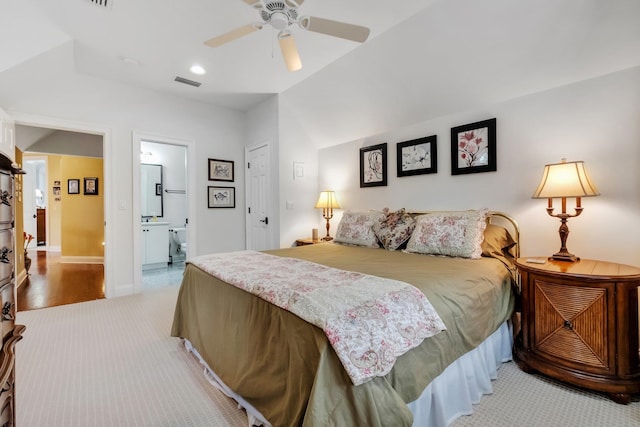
x,y
279,14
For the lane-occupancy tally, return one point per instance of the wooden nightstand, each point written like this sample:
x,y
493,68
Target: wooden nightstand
x,y
309,241
580,324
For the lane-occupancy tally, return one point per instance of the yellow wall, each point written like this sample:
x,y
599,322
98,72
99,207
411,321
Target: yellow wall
x,y
82,216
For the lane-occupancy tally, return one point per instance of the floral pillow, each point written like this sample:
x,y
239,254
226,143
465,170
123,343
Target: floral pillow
x,y
355,229
395,229
457,234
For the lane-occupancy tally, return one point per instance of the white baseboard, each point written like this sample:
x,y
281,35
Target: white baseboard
x,y
21,277
81,260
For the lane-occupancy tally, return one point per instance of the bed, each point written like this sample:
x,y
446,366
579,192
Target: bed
x,y
284,371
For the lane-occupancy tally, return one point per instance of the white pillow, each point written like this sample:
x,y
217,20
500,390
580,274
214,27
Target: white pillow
x,y
457,234
355,229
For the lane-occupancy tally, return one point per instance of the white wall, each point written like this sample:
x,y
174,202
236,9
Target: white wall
x,y
594,120
297,195
65,95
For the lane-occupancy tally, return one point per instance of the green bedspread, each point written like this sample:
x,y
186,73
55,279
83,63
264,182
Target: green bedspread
x,y
286,368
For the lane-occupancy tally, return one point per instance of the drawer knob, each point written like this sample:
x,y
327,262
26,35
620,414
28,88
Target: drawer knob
x,y
4,255
6,311
568,325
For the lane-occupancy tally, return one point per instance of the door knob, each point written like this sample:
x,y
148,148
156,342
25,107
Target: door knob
x,y
265,220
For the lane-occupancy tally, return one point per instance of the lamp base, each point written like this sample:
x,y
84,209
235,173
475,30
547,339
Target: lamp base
x,y
327,238
564,256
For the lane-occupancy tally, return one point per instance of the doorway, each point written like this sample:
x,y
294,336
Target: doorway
x,y
35,200
258,229
163,202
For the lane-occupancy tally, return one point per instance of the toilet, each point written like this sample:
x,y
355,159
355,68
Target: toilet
x,y
177,243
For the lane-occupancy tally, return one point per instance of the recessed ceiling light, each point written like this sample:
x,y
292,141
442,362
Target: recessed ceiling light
x,y
197,69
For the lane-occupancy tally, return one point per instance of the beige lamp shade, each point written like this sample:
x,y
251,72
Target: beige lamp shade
x,y
327,200
565,179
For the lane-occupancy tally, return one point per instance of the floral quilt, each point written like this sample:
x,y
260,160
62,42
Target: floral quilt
x,y
369,320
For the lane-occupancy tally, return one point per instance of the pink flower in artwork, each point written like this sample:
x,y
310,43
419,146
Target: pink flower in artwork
x,y
472,148
468,135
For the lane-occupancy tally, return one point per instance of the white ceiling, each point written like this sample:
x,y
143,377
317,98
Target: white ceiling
x,y
148,43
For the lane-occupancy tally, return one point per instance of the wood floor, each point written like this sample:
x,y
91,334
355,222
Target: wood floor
x,y
51,283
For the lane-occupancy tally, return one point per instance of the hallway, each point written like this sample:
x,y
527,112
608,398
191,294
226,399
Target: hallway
x,y
51,283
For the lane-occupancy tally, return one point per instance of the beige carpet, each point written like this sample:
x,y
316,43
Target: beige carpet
x,y
112,363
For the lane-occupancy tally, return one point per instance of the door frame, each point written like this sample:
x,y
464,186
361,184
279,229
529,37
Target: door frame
x,y
272,232
37,157
190,146
33,120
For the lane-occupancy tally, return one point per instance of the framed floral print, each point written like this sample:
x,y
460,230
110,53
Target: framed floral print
x,y
473,148
373,166
418,156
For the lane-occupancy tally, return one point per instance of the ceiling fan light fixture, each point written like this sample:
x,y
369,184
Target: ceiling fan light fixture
x,y
279,20
289,51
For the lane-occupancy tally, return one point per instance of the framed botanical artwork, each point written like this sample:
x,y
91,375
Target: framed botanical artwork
x,y
221,197
418,156
473,148
73,186
220,170
91,186
373,166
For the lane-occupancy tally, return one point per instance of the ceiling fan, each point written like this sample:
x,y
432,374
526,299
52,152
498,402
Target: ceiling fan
x,y
281,14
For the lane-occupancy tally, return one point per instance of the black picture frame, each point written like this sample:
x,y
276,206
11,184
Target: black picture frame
x,y
373,166
473,148
221,197
91,186
417,156
221,170
73,186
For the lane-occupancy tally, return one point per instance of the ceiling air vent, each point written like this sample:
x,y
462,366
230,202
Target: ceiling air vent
x,y
187,81
108,4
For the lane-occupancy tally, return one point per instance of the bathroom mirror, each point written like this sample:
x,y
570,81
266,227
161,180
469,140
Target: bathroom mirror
x,y
151,190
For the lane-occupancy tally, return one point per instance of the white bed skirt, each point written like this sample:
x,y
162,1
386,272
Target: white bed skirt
x,y
451,395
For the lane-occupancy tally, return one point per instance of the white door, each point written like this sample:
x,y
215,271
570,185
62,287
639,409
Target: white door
x,y
258,196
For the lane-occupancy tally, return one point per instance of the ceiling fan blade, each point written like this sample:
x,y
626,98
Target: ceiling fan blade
x,y
289,51
291,3
335,28
254,3
233,35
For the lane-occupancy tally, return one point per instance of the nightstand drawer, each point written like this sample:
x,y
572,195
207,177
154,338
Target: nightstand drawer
x,y
571,324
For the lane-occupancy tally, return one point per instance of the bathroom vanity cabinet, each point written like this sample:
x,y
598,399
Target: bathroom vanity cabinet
x,y
155,245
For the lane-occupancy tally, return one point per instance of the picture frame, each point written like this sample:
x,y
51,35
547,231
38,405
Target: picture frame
x,y
91,186
373,166
73,186
417,156
221,197
473,148
158,189
221,170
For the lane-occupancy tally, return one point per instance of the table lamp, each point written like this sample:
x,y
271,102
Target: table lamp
x,y
327,202
563,180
